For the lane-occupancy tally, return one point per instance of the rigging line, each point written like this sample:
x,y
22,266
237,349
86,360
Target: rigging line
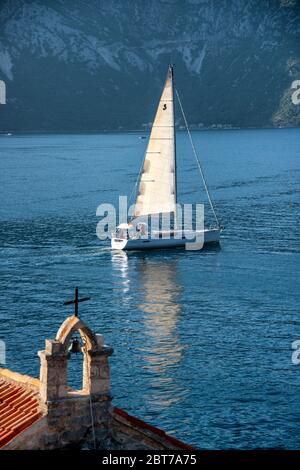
x,y
91,405
92,420
197,160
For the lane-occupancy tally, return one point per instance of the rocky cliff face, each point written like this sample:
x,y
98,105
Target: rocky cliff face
x,y
89,65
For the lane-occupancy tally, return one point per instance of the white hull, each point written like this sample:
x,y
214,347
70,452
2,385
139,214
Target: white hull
x,y
209,236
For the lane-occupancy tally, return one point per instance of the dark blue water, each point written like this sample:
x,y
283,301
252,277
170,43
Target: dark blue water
x,y
202,339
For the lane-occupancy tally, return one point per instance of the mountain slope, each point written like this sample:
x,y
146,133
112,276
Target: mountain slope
x,y
77,65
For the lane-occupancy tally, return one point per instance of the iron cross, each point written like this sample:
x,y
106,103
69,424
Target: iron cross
x,y
76,302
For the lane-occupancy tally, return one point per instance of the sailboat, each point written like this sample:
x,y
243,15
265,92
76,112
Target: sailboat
x,y
157,186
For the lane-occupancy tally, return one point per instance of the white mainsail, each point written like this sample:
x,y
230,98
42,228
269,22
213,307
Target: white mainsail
x,y
157,189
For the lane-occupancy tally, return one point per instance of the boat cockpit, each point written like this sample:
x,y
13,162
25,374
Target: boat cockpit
x,y
131,231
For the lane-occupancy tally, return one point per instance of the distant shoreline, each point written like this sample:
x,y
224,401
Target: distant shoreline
x,y
137,131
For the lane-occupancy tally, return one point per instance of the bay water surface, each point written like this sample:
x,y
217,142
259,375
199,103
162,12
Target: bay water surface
x,y
202,340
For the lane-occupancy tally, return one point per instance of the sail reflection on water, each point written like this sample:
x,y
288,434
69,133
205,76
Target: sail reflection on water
x,y
160,293
150,303
120,267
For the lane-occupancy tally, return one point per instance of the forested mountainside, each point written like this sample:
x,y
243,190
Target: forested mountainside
x,y
93,65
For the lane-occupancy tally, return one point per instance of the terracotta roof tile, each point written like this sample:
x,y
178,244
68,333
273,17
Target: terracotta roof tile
x,y
148,427
19,409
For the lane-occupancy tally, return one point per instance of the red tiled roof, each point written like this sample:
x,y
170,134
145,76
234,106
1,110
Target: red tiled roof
x,y
18,409
148,427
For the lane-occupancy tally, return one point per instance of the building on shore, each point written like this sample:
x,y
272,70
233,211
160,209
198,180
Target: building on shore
x,y
47,414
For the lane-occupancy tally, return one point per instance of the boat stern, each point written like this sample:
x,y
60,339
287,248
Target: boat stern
x,y
118,243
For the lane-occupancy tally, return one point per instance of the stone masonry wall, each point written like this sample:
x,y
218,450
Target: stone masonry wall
x,y
69,422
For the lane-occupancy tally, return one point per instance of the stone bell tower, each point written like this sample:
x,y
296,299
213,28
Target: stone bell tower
x,y
75,417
